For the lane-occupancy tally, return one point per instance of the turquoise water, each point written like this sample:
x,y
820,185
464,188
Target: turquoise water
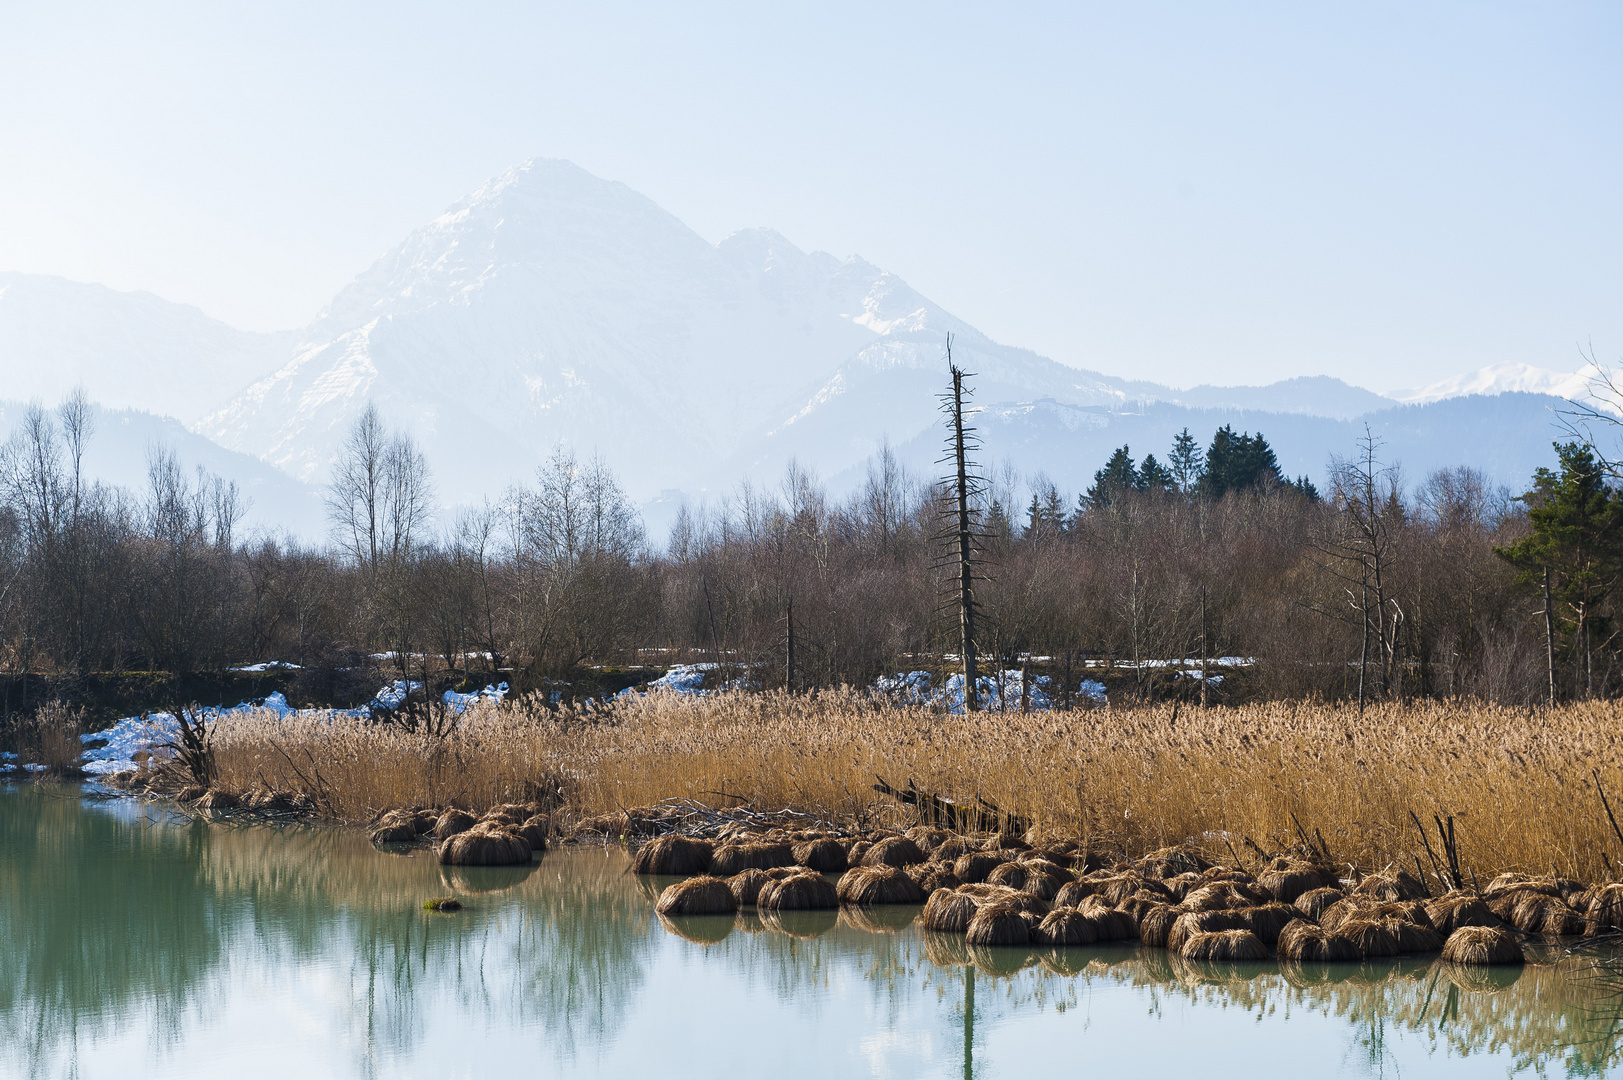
x,y
136,942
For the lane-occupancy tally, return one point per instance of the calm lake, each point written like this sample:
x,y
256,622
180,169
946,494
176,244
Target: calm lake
x,y
137,942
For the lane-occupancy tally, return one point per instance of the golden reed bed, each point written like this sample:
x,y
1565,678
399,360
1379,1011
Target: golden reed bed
x,y
1518,783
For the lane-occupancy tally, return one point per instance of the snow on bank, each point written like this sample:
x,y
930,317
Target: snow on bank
x,y
996,693
114,749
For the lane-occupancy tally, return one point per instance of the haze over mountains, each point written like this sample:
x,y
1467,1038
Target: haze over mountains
x,y
552,305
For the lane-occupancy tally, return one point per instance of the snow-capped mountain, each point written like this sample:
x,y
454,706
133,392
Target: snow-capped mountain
x,y
551,305
129,349
1507,378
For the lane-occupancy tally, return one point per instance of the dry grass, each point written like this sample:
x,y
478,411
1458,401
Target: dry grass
x,y
51,738
1517,783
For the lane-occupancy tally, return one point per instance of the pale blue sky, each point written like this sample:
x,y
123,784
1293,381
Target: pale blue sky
x,y
1391,193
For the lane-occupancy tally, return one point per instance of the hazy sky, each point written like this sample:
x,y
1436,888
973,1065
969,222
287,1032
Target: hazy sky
x,y
1214,192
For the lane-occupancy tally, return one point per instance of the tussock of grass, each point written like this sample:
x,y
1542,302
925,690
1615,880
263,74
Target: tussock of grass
x,y
1518,784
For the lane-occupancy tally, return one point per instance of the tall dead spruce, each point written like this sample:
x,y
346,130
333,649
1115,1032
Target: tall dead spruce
x,y
962,487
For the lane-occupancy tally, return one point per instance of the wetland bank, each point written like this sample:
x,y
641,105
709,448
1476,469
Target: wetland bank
x,y
129,916
137,939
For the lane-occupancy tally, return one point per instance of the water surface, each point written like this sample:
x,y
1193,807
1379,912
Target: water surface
x,y
138,942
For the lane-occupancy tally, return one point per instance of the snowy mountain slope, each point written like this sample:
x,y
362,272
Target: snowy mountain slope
x,y
129,348
1505,436
117,454
1504,379
1315,395
552,305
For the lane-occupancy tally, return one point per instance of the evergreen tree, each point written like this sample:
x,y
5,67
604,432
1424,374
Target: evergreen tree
x,y
1238,462
998,526
1046,514
1186,465
1303,487
1577,539
1117,476
1154,476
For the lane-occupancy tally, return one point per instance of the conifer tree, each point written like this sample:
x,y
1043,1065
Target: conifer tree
x,y
1238,462
1117,476
1575,552
1154,476
1185,462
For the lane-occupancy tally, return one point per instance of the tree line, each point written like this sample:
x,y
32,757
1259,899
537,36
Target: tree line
x,y
1376,588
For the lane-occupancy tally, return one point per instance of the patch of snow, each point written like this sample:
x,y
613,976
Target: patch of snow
x,y
268,665
681,679
1510,377
996,693
136,734
459,703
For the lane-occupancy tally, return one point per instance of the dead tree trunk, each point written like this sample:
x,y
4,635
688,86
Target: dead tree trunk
x,y
964,534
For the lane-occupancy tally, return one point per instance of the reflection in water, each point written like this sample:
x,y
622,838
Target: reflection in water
x,y
125,925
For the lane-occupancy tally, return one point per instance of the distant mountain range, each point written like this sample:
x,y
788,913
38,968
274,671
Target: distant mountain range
x,y
552,305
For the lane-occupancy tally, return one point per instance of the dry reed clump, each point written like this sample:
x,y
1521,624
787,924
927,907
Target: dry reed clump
x,y
1453,910
1303,941
1390,885
804,890
948,911
1190,923
1171,862
999,923
452,822
1267,920
733,858
1108,923
1224,947
1373,938
1064,928
897,851
747,885
976,866
672,854
1286,880
1072,893
216,799
1479,946
932,876
1536,913
485,845
878,885
1131,780
697,896
826,856
1314,902
395,827
928,838
1605,906
1155,924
